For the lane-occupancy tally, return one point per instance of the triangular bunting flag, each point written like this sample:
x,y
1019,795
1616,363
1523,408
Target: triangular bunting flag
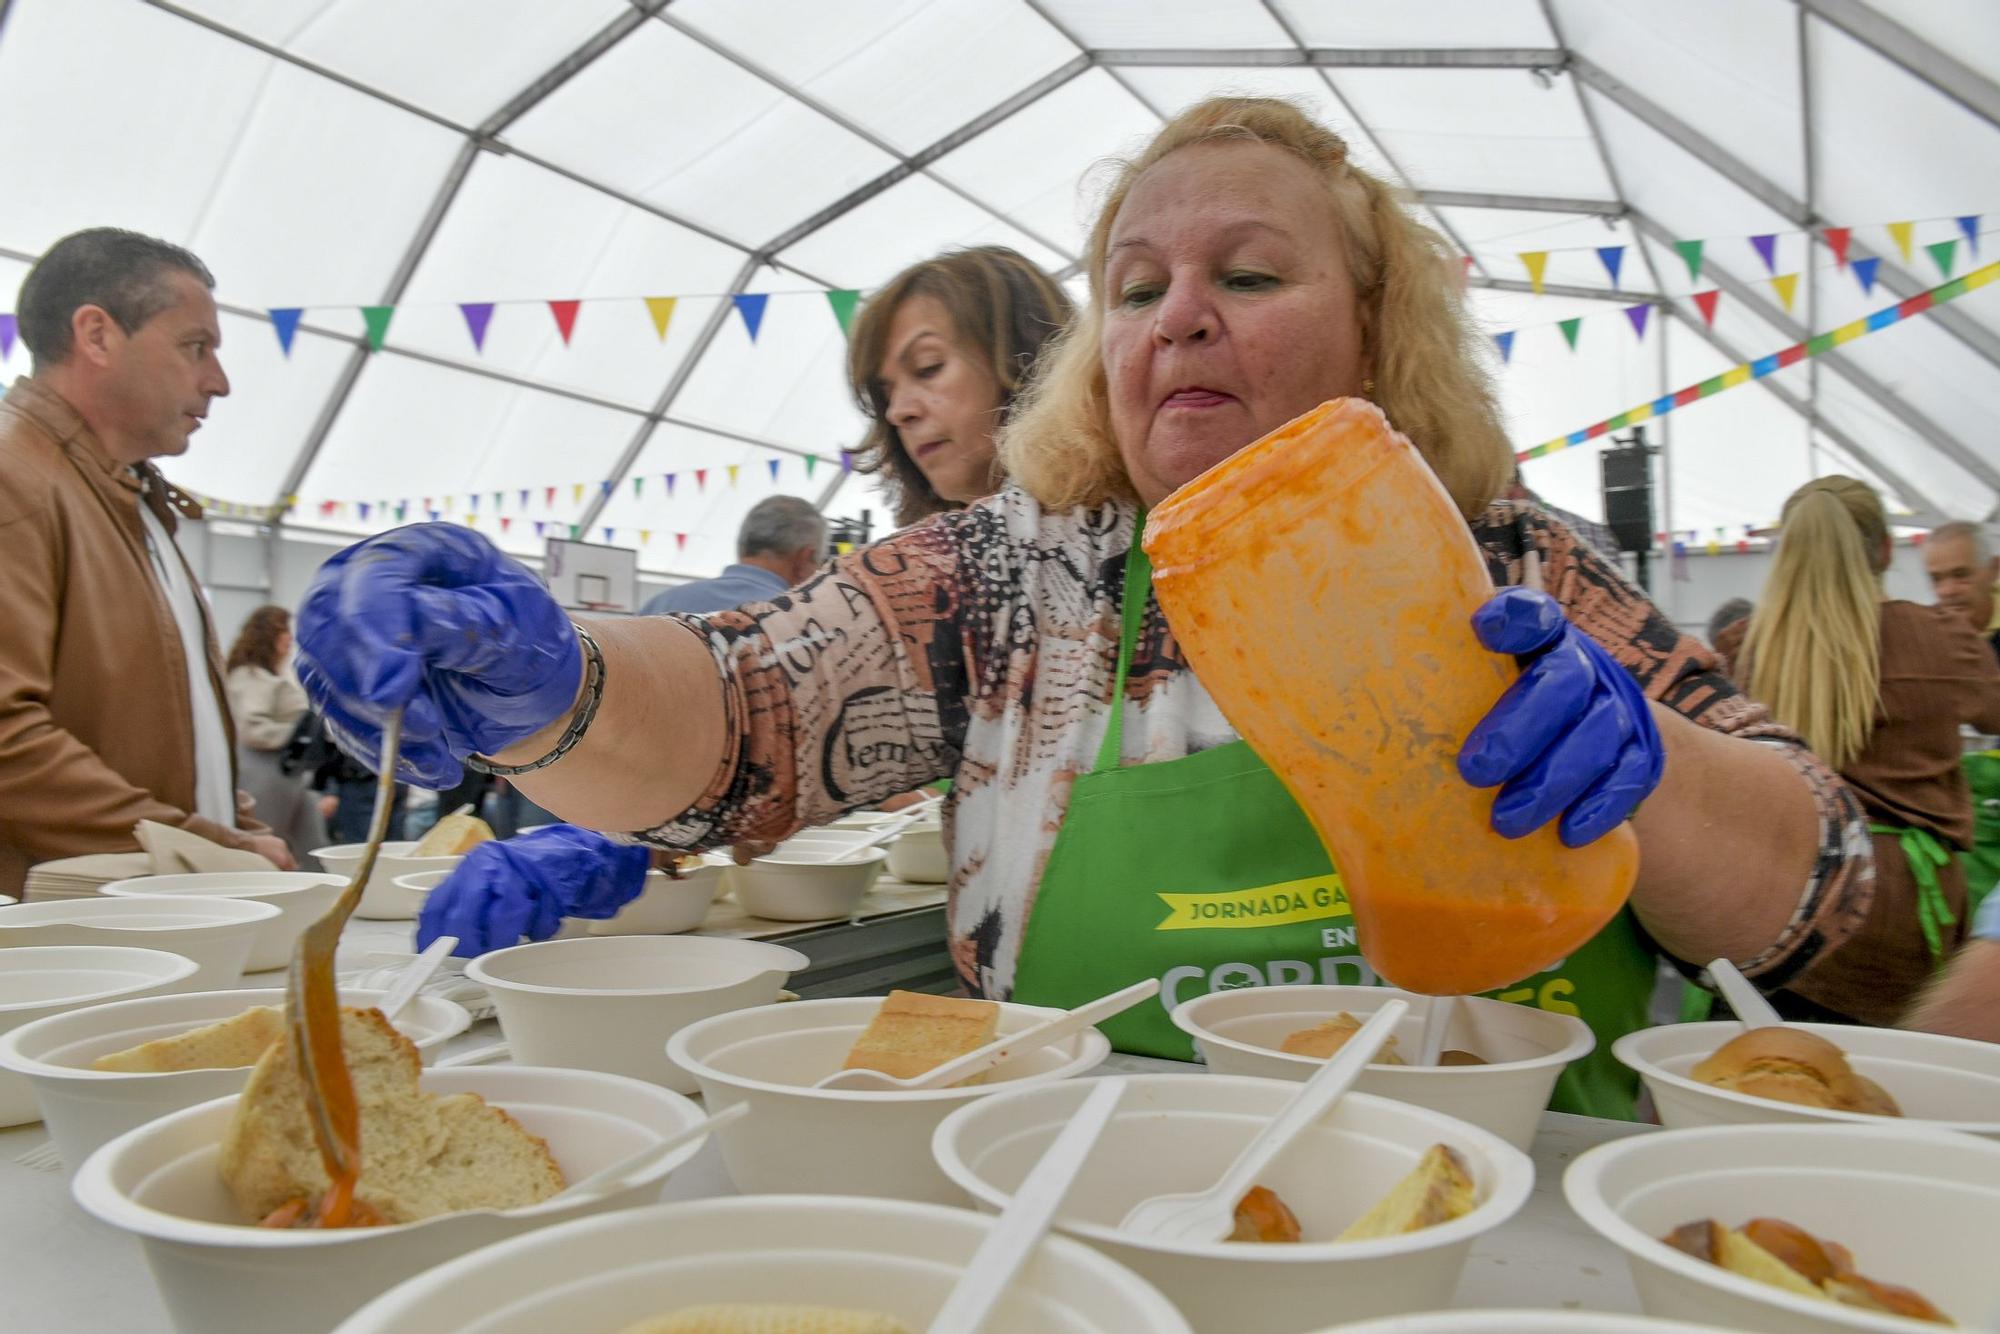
x,y
1505,341
638,485
1569,328
1613,259
751,307
505,523
1836,241
9,327
539,526
1900,233
661,308
401,510
1537,264
575,531
1864,270
811,459
1786,285
286,321
1690,251
565,313
549,496
773,464
701,479
434,514
524,497
846,462
363,507
608,531
1943,252
474,500
1968,227
843,304
478,314
1767,250
646,536
680,541
1637,314
604,489
576,494
377,320
732,474
472,521
499,497
670,486
1705,302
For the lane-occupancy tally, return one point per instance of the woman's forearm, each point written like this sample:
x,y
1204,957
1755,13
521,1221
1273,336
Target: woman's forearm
x,y
1964,1002
657,740
1727,843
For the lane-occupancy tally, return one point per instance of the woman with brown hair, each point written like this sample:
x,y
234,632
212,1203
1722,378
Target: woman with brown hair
x,y
935,360
267,703
1878,687
1243,271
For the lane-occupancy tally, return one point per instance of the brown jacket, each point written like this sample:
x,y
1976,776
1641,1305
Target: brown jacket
x,y
95,733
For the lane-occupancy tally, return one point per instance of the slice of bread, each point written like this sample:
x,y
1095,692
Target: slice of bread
x,y
1323,1039
1439,1190
743,1318
453,836
421,1154
913,1032
228,1044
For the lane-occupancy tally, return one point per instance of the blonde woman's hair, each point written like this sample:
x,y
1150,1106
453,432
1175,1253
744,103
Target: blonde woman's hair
x,y
1419,346
1815,644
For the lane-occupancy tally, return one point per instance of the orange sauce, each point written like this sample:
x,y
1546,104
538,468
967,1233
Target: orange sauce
x,y
1322,583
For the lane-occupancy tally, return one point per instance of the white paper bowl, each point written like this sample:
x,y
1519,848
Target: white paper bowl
x,y
610,1003
805,891
1522,1322
302,898
1913,1204
799,1139
603,1274
667,906
1948,1082
382,899
918,856
37,981
85,1108
1173,1133
216,933
1238,1033
217,1275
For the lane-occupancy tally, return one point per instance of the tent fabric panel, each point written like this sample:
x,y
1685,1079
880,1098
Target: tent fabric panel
x,y
609,123
1437,24
462,59
912,220
1476,129
1195,24
1172,89
910,71
1729,68
1038,172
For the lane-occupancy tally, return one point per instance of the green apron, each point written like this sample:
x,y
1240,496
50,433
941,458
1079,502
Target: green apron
x,y
1982,860
1925,853
1204,873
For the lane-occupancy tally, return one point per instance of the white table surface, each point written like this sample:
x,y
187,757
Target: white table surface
x,y
62,1271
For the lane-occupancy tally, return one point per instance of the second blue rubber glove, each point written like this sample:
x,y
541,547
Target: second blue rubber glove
x,y
525,886
1573,738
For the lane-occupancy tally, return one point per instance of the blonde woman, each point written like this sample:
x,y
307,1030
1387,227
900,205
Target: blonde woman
x,y
1242,271
1878,687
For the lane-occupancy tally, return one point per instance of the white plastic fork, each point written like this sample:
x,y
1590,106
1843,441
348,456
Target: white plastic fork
x,y
413,976
1210,1215
1003,1049
1743,997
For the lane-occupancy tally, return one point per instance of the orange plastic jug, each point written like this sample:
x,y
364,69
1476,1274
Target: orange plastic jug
x,y
1322,583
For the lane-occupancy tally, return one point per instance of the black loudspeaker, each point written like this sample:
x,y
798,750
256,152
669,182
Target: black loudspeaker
x,y
1628,493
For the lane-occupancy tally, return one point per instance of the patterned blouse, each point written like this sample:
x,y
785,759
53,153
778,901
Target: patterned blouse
x,y
982,646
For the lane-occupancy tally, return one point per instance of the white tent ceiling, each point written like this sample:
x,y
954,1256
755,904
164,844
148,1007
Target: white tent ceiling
x,y
339,154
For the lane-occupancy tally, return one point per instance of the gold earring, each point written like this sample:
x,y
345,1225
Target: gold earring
x,y
1367,386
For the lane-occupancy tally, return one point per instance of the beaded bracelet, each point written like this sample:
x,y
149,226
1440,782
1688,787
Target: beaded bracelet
x,y
579,723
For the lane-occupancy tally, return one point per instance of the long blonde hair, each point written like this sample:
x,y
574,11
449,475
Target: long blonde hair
x,y
1058,443
1815,643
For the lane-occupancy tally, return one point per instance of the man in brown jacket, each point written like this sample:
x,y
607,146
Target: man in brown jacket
x,y
112,707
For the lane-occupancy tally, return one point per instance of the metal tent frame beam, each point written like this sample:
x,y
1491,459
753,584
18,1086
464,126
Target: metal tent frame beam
x,y
1599,208
1932,65
1331,57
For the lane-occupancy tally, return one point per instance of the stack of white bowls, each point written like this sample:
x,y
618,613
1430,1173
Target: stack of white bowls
x,y
382,898
217,934
37,981
302,898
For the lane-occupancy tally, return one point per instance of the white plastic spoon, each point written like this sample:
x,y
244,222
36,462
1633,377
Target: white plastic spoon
x,y
1026,1219
607,1179
1210,1215
887,830
1003,1049
415,973
1743,996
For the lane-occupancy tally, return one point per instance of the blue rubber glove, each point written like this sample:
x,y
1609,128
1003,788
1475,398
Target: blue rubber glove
x,y
1573,737
434,619
525,886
